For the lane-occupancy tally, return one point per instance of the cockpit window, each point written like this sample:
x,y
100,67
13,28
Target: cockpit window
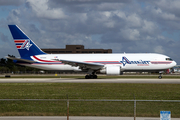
x,y
169,59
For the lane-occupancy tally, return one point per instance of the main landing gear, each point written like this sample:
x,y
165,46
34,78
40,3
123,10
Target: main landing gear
x,y
91,76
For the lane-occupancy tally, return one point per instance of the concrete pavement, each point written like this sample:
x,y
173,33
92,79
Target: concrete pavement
x,y
72,80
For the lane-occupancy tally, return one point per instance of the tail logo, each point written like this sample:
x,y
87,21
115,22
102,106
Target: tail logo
x,y
126,61
23,44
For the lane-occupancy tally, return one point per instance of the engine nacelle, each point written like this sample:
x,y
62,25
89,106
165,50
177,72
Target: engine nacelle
x,y
111,70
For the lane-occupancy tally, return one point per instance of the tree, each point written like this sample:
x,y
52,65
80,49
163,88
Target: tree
x,y
2,62
9,65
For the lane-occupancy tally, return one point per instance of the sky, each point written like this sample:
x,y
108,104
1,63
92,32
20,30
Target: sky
x,y
130,26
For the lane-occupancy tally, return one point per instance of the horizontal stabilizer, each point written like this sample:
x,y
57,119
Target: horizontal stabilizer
x,y
19,59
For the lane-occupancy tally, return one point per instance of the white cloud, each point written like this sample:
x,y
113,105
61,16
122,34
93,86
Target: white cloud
x,y
107,14
164,15
149,27
131,34
134,20
159,49
120,14
14,18
169,16
41,9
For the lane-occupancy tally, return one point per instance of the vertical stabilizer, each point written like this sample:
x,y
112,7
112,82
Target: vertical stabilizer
x,y
25,46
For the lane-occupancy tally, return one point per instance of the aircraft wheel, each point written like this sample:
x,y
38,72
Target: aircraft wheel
x,y
95,76
159,77
91,77
87,77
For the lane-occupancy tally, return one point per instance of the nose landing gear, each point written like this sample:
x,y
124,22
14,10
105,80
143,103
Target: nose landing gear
x,y
160,75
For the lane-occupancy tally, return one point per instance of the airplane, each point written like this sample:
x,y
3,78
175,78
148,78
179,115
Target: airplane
x,y
111,64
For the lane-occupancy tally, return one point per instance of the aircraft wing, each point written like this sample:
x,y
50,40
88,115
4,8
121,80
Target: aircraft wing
x,y
83,65
19,59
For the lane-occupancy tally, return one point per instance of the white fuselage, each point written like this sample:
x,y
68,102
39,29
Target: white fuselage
x,y
127,61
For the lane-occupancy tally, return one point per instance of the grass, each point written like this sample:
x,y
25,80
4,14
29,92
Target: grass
x,y
88,91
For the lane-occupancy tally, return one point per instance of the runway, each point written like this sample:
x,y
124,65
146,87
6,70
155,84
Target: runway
x,y
72,80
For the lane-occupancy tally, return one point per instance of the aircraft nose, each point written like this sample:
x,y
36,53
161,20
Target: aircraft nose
x,y
174,63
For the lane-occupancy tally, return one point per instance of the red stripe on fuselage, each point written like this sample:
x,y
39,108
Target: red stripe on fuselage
x,y
45,60
160,62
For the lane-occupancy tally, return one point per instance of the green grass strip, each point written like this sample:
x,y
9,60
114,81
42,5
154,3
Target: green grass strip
x,y
88,91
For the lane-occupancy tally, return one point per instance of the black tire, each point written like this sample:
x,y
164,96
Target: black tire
x,y
7,76
87,77
91,76
95,76
159,77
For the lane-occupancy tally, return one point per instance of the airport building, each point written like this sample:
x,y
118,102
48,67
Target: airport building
x,y
75,49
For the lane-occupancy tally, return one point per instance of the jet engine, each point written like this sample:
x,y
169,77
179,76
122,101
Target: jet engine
x,y
111,70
